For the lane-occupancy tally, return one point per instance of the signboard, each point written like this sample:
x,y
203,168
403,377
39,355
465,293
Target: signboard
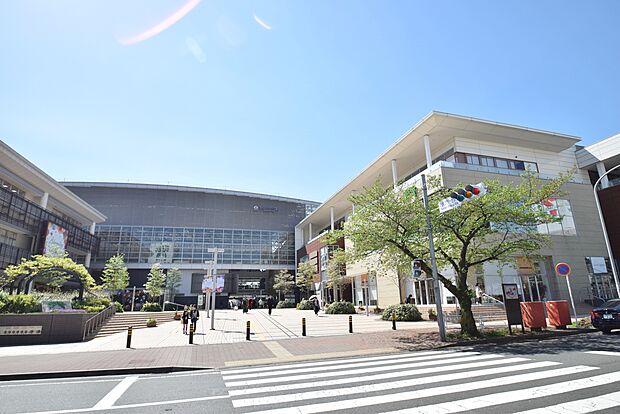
x,y
207,284
201,300
598,264
512,303
448,204
562,269
55,305
20,330
55,240
511,291
161,252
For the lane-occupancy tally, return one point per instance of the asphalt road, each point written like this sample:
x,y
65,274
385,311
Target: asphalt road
x,y
570,374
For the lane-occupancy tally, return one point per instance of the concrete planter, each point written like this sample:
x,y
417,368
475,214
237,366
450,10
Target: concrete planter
x,y
55,328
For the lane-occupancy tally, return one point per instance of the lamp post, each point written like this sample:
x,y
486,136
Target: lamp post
x,y
215,251
600,215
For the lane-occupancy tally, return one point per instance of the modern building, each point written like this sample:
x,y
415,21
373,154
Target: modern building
x,y
36,211
460,149
176,226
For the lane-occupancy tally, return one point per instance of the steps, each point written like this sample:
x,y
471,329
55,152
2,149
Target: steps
x,y
121,321
485,313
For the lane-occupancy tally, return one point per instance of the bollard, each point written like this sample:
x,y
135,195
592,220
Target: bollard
x,y
129,332
394,321
191,334
350,324
303,326
247,331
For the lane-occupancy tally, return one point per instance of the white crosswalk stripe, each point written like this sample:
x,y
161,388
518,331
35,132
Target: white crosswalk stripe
x,y
420,383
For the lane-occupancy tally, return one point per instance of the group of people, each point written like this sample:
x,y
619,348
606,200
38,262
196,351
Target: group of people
x,y
190,313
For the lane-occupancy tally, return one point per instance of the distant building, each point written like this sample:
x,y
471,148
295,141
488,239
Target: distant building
x,y
38,213
175,226
462,149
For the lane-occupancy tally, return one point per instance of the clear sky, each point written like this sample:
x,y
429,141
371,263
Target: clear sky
x,y
288,97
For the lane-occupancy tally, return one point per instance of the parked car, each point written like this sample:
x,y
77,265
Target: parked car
x,y
607,316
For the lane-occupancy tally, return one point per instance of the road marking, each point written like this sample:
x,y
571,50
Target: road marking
x,y
586,405
385,386
277,350
360,371
608,353
369,378
123,407
116,393
313,368
337,362
310,357
428,392
59,383
196,374
490,400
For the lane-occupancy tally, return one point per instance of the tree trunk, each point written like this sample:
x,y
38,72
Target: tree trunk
x,y
468,323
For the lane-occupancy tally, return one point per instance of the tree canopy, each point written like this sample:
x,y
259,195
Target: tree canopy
x,y
115,275
283,282
52,271
156,281
304,277
389,225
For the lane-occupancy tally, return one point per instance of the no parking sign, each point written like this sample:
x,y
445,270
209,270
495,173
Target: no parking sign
x,y
563,269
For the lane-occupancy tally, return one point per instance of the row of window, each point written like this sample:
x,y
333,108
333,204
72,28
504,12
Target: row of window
x,y
502,163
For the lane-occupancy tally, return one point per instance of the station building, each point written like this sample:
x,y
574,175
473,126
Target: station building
x,y
35,210
460,149
176,226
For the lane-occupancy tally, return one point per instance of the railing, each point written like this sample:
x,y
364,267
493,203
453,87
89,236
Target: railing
x,y
172,303
96,321
491,299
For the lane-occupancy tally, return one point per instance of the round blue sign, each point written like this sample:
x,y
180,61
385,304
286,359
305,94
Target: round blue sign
x,y
562,269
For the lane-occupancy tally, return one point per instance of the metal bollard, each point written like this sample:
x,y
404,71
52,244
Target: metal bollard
x,y
350,324
191,334
303,326
394,321
129,332
247,331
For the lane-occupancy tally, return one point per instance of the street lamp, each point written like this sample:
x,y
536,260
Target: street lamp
x,y
215,251
600,215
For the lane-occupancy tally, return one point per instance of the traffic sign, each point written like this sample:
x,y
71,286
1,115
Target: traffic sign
x,y
562,269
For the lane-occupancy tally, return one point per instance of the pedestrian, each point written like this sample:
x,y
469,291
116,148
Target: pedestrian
x,y
185,319
269,304
195,315
261,304
409,299
478,294
245,306
316,307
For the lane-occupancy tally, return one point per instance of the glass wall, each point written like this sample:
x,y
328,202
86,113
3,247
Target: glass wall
x,y
149,244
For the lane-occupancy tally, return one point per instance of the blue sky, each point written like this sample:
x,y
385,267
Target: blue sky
x,y
288,97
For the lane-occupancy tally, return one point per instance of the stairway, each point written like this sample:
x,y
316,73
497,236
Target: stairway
x,y
484,313
121,321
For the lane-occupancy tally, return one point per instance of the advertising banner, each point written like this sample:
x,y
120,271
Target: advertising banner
x,y
55,240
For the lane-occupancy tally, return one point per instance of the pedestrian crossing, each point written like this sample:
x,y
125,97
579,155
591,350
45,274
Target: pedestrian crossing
x,y
423,382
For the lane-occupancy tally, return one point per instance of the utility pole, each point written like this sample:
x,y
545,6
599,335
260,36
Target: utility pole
x,y
431,247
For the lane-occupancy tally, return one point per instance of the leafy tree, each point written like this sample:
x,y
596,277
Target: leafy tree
x,y
156,281
173,281
52,271
283,282
304,277
115,275
336,270
389,225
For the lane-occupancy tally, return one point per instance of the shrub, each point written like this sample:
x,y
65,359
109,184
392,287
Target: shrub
x,y
432,315
305,305
378,310
119,307
288,303
151,307
341,307
92,302
151,323
404,312
19,304
94,309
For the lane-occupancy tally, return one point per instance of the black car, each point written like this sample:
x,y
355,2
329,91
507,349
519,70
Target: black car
x,y
607,316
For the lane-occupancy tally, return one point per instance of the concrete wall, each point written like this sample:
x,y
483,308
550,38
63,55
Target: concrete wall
x,y
56,328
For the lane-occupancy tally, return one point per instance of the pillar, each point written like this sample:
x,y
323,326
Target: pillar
x,y
44,199
394,173
331,217
309,231
427,152
600,168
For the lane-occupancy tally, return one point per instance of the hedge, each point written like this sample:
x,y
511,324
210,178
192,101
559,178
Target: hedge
x,y
151,307
404,312
305,305
19,304
341,307
288,303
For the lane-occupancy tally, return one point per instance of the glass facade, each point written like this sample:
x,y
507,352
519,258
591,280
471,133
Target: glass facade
x,y
151,244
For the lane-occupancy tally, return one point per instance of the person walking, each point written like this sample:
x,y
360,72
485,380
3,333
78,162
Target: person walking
x,y
270,304
316,307
195,315
478,294
185,319
245,305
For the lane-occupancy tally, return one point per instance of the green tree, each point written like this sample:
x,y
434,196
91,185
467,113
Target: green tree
x,y
304,278
336,271
389,225
115,275
173,281
283,283
156,281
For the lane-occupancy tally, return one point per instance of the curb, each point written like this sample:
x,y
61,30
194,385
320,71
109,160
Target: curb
x,y
97,372
502,340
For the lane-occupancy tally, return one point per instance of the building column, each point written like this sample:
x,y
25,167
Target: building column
x,y
600,168
91,230
44,199
331,217
394,173
309,231
427,151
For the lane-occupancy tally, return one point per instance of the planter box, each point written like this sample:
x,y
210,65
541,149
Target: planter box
x,y
533,314
54,328
558,313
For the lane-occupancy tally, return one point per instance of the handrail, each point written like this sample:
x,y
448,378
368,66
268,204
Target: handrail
x,y
172,303
493,299
95,322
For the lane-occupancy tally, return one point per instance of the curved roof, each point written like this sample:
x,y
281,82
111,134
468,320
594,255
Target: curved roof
x,y
141,186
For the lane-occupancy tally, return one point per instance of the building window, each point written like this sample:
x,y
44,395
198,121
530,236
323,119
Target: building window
x,y
501,163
